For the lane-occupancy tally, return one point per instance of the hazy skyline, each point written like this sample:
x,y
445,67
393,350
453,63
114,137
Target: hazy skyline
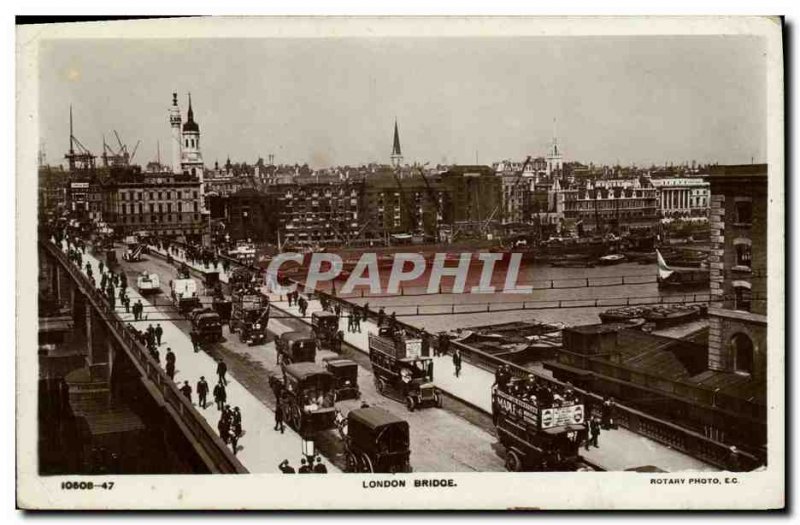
x,y
636,100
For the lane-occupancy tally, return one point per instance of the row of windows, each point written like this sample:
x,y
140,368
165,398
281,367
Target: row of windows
x,y
130,209
156,195
136,219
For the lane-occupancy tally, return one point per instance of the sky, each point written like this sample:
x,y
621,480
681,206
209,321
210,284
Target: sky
x,y
638,99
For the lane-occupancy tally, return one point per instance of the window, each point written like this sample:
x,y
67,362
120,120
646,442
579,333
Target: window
x,y
742,353
742,296
187,143
180,207
743,255
152,196
195,206
160,208
744,212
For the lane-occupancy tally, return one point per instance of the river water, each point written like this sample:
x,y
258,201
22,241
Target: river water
x,y
572,296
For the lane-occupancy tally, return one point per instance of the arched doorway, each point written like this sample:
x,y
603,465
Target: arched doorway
x,y
742,352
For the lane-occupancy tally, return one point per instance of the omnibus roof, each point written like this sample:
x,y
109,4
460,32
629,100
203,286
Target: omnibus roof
x,y
323,314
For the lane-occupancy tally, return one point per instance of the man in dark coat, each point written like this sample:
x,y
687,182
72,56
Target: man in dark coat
x,y
236,423
159,332
187,390
285,467
202,392
594,433
278,418
304,469
222,369
319,468
220,396
223,426
381,316
170,359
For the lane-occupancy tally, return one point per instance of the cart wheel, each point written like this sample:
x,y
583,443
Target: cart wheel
x,y
296,419
438,400
351,463
410,404
367,463
513,461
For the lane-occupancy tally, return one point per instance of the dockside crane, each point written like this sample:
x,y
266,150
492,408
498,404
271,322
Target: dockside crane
x,y
81,159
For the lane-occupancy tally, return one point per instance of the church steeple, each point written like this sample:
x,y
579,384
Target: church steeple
x,y
397,154
190,124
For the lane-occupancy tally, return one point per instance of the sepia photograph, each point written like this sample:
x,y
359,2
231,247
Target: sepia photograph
x,y
473,263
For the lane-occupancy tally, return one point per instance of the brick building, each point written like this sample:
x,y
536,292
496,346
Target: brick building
x,y
738,265
162,203
318,211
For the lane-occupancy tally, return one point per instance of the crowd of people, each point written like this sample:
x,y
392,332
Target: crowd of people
x,y
309,465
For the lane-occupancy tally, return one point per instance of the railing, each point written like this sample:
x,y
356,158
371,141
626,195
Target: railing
x,y
214,452
659,430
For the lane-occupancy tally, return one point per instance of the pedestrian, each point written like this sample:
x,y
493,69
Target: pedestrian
x,y
151,333
338,342
278,417
356,321
285,467
237,422
222,368
156,355
220,396
159,332
193,336
223,426
170,358
319,468
202,392
127,302
457,362
381,316
594,430
234,439
304,469
187,390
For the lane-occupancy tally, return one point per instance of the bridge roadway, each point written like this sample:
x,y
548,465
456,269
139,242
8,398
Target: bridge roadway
x,y
441,440
620,448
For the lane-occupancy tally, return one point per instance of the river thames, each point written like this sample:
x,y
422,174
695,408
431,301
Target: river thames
x,y
559,295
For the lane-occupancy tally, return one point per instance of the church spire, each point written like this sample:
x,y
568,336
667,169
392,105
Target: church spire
x,y
190,124
397,154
